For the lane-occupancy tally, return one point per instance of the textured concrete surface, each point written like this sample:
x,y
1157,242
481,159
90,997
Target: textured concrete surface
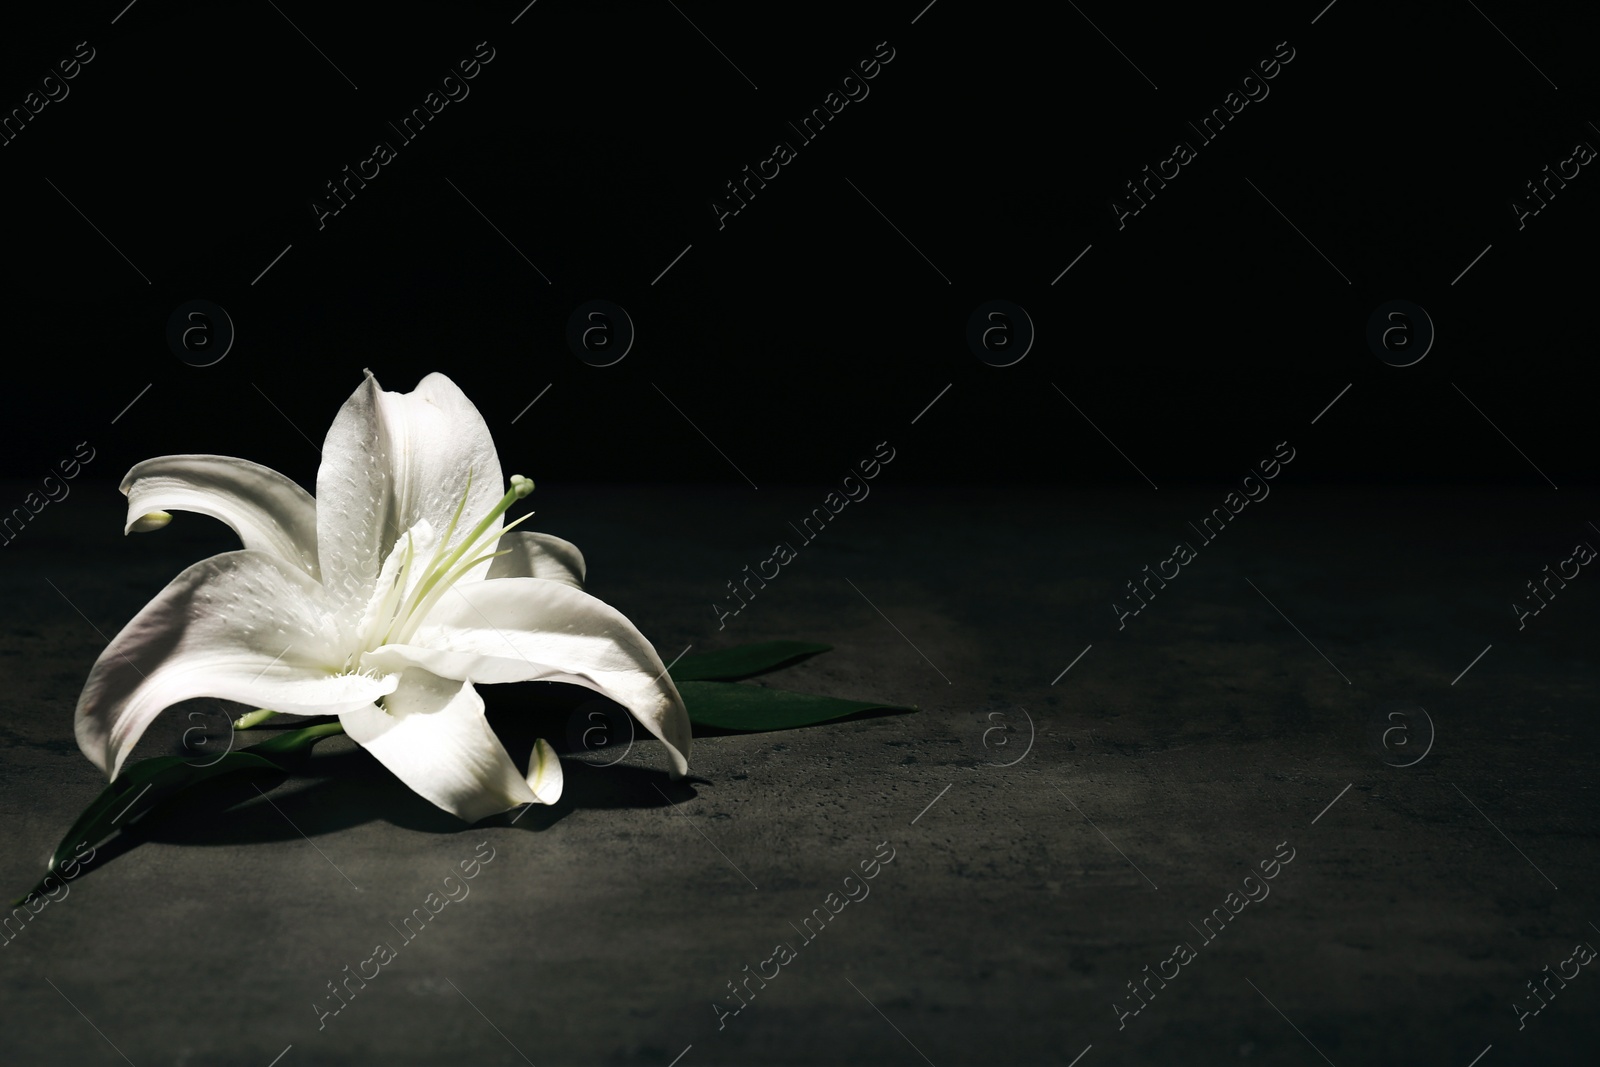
x,y
1225,724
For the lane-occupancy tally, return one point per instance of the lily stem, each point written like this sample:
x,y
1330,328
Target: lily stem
x,y
307,734
255,718
296,741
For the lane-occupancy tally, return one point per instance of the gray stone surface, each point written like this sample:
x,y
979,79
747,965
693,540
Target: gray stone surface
x,y
1174,756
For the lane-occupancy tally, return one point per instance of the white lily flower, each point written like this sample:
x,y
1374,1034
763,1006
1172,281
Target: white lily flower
x,y
382,601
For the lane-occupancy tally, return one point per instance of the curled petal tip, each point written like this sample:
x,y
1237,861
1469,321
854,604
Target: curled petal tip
x,y
544,776
155,520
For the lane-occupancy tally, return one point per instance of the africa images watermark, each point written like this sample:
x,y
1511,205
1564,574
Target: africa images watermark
x,y
24,911
784,553
1582,154
783,152
1582,954
385,953
42,95
1185,553
784,953
54,490
1583,554
1211,126
455,90
1184,953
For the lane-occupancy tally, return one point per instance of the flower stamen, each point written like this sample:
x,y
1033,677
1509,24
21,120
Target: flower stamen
x,y
403,612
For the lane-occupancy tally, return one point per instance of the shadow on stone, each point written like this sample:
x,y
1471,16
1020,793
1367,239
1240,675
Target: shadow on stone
x,y
330,791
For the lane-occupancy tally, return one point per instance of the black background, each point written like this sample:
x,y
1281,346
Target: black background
x,y
807,329
830,315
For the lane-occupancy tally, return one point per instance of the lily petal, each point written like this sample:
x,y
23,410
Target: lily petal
x,y
544,773
243,626
267,510
532,629
389,461
433,736
539,555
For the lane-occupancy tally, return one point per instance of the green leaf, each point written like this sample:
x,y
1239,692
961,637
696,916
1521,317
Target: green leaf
x,y
744,661
730,706
148,782
142,786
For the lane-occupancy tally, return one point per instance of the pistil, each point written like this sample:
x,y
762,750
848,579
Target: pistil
x,y
439,573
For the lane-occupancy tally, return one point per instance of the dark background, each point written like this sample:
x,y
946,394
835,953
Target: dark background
x,y
807,329
1246,706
